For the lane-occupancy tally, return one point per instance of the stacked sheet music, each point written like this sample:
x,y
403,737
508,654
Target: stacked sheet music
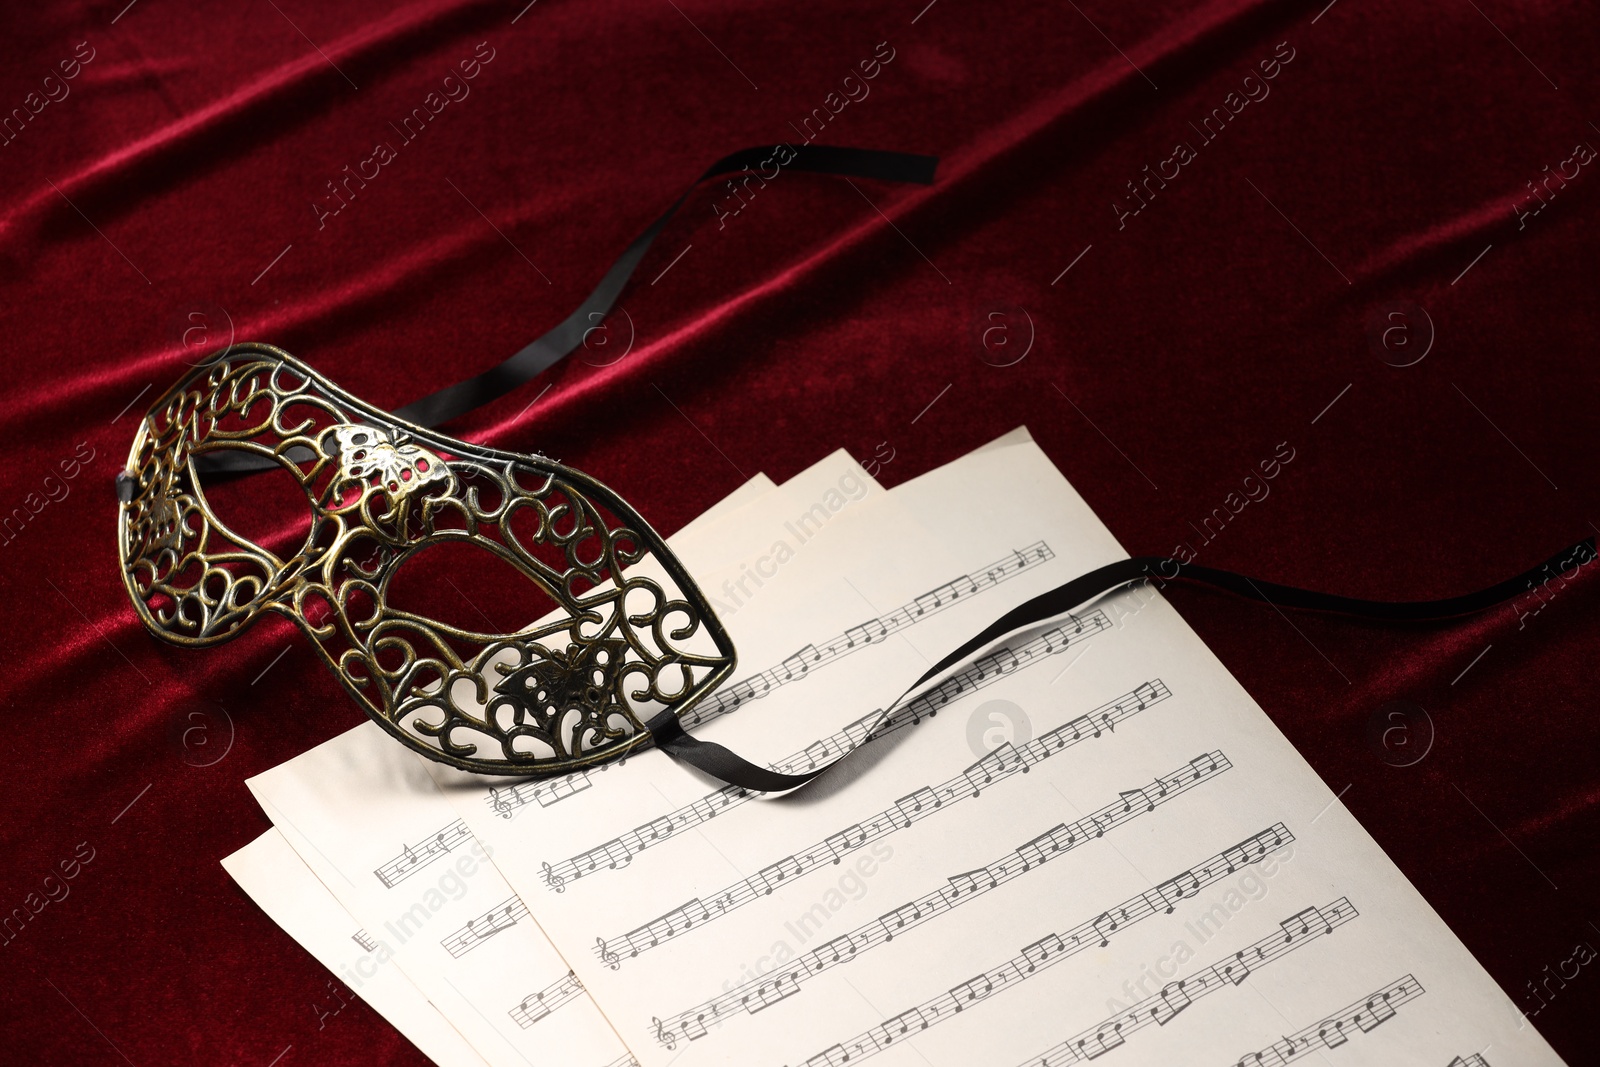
x,y
1086,841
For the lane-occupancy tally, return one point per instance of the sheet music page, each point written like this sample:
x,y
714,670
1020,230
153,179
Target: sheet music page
x,y
274,876
1088,841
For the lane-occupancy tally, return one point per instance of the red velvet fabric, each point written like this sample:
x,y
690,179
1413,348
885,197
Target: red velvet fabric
x,y
1387,161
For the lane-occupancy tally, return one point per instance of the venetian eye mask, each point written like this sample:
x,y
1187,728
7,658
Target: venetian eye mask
x,y
631,637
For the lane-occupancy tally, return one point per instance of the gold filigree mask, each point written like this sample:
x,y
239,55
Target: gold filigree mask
x,y
631,644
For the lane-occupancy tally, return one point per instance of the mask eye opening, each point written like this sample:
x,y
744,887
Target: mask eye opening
x,y
266,513
465,587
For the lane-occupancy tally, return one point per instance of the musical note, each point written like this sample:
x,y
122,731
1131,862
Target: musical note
x,y
772,877
915,805
558,876
866,633
768,993
970,992
1364,1016
832,1057
1046,845
1170,893
1378,1010
1054,948
902,1025
898,919
411,860
1299,924
1102,1041
617,852
979,881
1128,798
1173,1000
1106,924
796,665
846,841
1040,952
537,1006
994,765
958,891
1236,970
503,916
838,950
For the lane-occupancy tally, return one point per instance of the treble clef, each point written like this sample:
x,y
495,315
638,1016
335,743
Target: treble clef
x,y
552,879
502,808
664,1035
609,958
